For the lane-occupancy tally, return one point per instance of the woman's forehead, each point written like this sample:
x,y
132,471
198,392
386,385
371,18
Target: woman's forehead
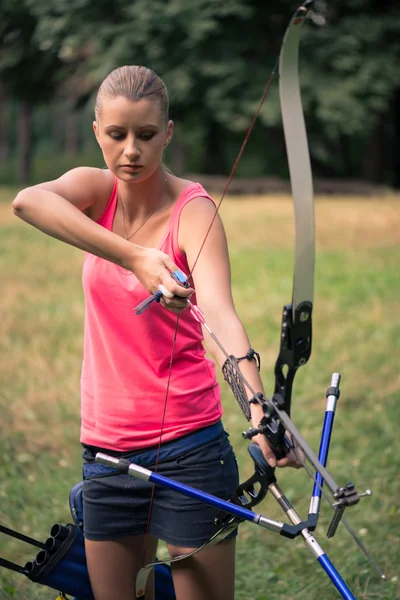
x,y
124,112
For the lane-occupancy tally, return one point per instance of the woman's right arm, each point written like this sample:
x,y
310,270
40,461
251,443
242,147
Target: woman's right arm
x,y
58,209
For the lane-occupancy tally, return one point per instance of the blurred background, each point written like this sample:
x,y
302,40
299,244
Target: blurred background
x,y
215,58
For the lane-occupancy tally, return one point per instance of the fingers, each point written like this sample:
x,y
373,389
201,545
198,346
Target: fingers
x,y
175,295
165,292
170,283
169,264
170,287
154,268
175,304
289,461
266,450
293,458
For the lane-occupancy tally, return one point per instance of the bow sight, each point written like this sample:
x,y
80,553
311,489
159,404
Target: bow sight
x,y
273,425
295,350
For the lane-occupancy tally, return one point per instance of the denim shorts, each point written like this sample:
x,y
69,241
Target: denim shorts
x,y
116,505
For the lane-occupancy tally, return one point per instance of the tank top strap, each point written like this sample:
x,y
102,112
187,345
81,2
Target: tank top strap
x,y
192,191
107,218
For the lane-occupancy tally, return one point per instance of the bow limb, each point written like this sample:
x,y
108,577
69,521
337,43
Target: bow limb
x,y
296,335
298,159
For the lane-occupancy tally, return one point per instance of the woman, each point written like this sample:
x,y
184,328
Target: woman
x,y
138,223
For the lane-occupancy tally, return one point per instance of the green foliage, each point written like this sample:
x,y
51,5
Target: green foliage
x,y
357,57
215,58
29,70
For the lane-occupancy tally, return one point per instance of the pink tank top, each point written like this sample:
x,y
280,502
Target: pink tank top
x,y
126,361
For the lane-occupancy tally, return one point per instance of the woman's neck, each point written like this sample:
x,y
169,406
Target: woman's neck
x,y
139,198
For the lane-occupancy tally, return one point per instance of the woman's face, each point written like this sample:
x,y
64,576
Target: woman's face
x,y
132,136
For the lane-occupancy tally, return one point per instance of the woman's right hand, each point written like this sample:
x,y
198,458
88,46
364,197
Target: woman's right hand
x,y
153,268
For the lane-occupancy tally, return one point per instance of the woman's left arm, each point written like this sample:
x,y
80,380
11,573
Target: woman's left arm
x,y
212,282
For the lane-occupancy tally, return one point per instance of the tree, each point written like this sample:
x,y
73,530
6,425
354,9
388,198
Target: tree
x,y
29,71
215,58
357,61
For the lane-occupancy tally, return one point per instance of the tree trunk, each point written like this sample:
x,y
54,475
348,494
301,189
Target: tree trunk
x,y
395,156
25,141
347,167
214,161
177,157
373,165
58,133
72,133
4,145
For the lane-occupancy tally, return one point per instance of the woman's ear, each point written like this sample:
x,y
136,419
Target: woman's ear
x,y
96,131
170,133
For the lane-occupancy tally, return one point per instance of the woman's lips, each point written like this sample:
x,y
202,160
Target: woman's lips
x,y
131,168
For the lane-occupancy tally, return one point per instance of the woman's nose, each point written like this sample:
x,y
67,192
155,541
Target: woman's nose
x,y
131,149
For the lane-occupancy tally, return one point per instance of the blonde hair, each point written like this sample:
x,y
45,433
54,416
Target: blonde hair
x,y
134,83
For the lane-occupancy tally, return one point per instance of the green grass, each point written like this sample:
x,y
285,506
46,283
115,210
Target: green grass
x,y
356,332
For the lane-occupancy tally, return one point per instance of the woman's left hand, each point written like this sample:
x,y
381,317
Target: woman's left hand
x,y
290,460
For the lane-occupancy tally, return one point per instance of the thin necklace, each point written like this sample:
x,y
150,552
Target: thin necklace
x,y
143,222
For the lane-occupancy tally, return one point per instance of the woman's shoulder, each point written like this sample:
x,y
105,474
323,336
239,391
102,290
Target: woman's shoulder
x,y
99,182
88,188
104,182
188,189
197,211
180,185
192,202
89,177
99,185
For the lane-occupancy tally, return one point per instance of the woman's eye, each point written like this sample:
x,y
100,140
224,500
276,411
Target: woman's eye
x,y
116,136
119,136
146,136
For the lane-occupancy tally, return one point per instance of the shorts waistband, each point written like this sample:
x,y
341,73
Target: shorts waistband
x,y
168,450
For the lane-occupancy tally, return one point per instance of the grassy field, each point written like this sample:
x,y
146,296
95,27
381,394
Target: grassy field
x,y
356,333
